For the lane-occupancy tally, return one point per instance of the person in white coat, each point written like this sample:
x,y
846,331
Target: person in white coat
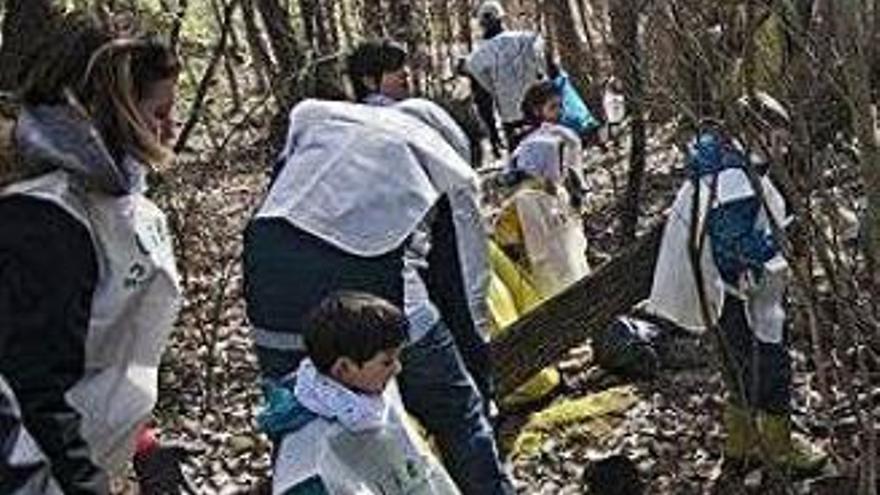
x,y
503,66
381,199
744,278
538,225
88,283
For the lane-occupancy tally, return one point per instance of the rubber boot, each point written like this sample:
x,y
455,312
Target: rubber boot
x,y
740,450
741,441
788,450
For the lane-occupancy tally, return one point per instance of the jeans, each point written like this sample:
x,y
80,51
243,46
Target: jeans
x,y
764,370
439,392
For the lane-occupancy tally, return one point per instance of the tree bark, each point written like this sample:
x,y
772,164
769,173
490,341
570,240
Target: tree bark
x,y
853,37
177,25
25,21
627,54
464,23
259,51
372,18
573,45
281,38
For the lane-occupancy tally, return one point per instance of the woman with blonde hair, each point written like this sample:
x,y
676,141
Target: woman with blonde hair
x,y
88,284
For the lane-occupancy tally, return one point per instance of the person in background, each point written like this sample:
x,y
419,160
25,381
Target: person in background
x,y
382,199
614,109
538,227
378,72
745,278
88,284
537,245
503,66
341,405
553,148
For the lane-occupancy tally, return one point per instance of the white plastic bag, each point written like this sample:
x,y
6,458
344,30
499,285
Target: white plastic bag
x,y
554,240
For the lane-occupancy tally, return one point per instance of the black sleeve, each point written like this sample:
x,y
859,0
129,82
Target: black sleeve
x,y
486,109
446,287
287,272
48,273
22,468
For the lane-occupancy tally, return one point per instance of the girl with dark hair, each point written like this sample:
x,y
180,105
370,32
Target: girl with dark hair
x,y
88,284
378,72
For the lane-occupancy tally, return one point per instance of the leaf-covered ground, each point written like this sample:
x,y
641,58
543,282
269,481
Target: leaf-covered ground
x,y
209,385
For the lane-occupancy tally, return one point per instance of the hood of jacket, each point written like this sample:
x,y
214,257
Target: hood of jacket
x,y
38,139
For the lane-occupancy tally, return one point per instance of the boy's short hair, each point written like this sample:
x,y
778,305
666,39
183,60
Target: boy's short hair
x,y
355,325
371,59
537,95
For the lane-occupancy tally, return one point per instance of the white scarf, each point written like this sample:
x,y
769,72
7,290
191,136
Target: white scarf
x,y
330,399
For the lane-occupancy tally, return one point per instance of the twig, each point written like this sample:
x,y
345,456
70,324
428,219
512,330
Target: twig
x,y
207,78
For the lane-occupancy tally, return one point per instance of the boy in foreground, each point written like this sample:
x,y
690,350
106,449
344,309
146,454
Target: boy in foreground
x,y
339,425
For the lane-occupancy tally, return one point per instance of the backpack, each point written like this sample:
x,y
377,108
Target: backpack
x,y
625,347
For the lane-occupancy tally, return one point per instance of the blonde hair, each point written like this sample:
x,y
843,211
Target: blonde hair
x,y
110,68
91,66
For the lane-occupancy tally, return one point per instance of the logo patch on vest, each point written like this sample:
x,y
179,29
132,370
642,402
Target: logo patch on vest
x,y
137,275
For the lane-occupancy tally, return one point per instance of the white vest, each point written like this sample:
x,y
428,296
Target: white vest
x,y
554,240
674,293
134,306
385,461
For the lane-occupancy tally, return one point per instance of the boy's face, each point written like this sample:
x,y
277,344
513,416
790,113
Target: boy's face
x,y
371,377
551,110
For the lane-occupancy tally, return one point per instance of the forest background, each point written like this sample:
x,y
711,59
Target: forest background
x,y
246,62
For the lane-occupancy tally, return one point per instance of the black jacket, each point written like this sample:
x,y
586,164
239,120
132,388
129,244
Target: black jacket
x,y
48,273
287,272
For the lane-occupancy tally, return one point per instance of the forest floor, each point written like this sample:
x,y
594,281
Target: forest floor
x,y
210,392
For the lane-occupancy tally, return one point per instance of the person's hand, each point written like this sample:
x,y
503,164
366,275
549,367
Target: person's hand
x,y
158,466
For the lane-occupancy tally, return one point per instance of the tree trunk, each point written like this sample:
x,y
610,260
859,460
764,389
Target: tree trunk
x,y
208,76
627,55
177,25
259,51
25,22
319,25
853,38
573,44
373,18
464,23
544,336
281,38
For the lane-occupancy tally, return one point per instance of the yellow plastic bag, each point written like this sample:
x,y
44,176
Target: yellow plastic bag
x,y
595,415
511,295
515,279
